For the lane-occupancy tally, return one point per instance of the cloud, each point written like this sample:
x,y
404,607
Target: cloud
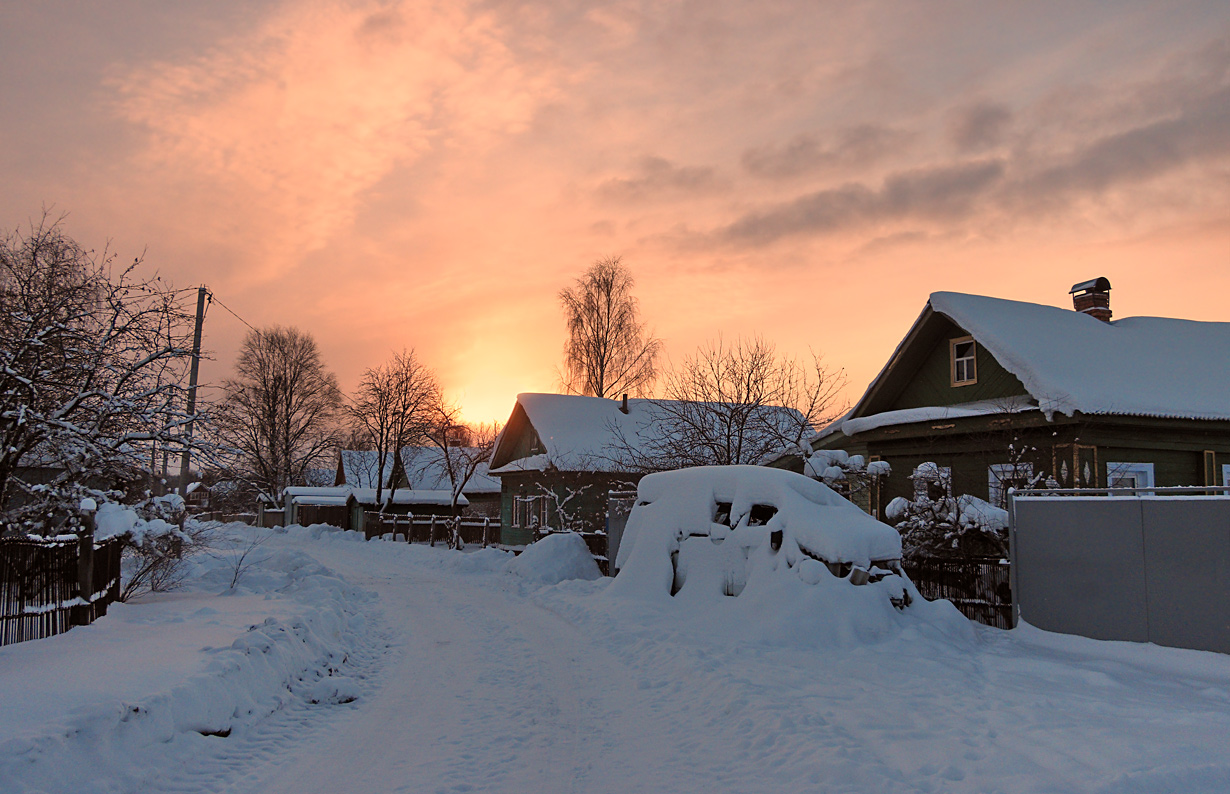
x,y
1200,132
942,192
657,176
979,126
805,154
291,123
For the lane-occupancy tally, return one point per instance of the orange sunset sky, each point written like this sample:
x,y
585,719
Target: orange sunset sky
x,y
430,174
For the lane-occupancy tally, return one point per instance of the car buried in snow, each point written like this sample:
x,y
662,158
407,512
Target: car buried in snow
x,y
719,526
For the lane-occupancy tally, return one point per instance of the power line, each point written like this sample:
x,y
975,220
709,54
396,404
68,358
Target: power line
x,y
214,298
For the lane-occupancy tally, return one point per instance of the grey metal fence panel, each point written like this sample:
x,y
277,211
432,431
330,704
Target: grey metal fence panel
x,y
1187,553
1080,566
1141,566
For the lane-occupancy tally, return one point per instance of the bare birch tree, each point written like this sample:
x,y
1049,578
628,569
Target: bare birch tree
x,y
394,407
608,352
280,413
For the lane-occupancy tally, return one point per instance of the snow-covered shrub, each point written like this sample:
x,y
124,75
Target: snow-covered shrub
x,y
936,524
154,548
849,475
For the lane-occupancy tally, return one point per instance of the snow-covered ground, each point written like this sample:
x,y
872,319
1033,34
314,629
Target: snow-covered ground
x,y
343,666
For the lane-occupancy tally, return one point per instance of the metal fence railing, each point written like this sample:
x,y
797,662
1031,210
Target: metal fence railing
x,y
978,586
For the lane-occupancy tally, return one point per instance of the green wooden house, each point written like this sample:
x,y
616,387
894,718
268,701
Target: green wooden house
x,y
556,465
1001,393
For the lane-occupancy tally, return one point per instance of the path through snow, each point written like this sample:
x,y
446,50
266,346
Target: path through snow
x,y
472,679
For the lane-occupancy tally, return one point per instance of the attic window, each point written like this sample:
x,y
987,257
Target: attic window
x,y
964,370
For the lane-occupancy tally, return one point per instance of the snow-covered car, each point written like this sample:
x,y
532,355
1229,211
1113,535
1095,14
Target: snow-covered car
x,y
707,529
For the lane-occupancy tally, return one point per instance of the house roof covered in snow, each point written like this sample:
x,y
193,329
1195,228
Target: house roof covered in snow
x,y
578,433
1071,362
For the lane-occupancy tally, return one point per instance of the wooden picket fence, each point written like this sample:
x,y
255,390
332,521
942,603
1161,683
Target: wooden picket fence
x,y
474,531
43,586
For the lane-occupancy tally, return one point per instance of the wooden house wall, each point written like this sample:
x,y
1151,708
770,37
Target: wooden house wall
x,y
932,382
970,447
590,506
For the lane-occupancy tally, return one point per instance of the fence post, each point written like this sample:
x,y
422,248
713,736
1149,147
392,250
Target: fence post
x,y
83,615
486,531
431,534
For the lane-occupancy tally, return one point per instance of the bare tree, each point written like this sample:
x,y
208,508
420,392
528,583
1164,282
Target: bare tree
x,y
91,360
394,407
608,351
463,448
279,414
731,404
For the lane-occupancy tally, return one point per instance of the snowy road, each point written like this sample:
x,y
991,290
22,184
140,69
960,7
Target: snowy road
x,y
467,678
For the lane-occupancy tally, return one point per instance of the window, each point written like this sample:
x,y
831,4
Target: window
x,y
964,369
1002,476
1129,475
1225,474
932,482
529,511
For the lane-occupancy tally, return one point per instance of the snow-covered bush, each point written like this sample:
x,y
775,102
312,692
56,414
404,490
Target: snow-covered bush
x,y
849,475
936,524
154,548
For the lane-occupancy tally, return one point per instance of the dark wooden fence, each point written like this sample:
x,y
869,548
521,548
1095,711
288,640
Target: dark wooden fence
x,y
474,531
43,586
978,586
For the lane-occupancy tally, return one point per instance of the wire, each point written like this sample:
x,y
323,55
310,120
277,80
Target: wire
x,y
213,297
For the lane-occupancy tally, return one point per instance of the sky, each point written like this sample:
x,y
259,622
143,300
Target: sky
x,y
428,175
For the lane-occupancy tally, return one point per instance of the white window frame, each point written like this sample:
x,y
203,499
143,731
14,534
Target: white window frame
x,y
971,371
945,473
1143,472
1225,474
996,473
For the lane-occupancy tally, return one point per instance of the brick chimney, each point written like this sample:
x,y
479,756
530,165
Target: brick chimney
x,y
1093,298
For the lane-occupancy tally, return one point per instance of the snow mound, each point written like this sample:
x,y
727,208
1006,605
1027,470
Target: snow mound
x,y
770,556
556,558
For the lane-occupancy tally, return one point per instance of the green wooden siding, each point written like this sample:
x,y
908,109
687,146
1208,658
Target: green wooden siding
x,y
932,383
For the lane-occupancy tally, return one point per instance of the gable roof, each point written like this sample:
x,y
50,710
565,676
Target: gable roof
x,y
1069,361
580,433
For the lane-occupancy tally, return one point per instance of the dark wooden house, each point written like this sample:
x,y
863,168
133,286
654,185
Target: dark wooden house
x,y
1002,393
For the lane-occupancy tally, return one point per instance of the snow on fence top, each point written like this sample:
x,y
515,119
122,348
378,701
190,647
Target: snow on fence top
x,y
1069,361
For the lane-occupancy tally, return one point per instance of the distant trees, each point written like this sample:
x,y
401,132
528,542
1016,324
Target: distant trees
x,y
92,356
395,405
463,448
280,412
608,352
732,403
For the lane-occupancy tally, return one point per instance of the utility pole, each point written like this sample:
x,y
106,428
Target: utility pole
x,y
196,363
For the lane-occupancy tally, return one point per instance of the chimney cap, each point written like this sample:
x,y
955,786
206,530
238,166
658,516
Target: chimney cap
x,y
1099,284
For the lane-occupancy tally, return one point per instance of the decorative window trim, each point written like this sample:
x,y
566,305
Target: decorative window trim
x,y
1143,472
998,472
970,370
